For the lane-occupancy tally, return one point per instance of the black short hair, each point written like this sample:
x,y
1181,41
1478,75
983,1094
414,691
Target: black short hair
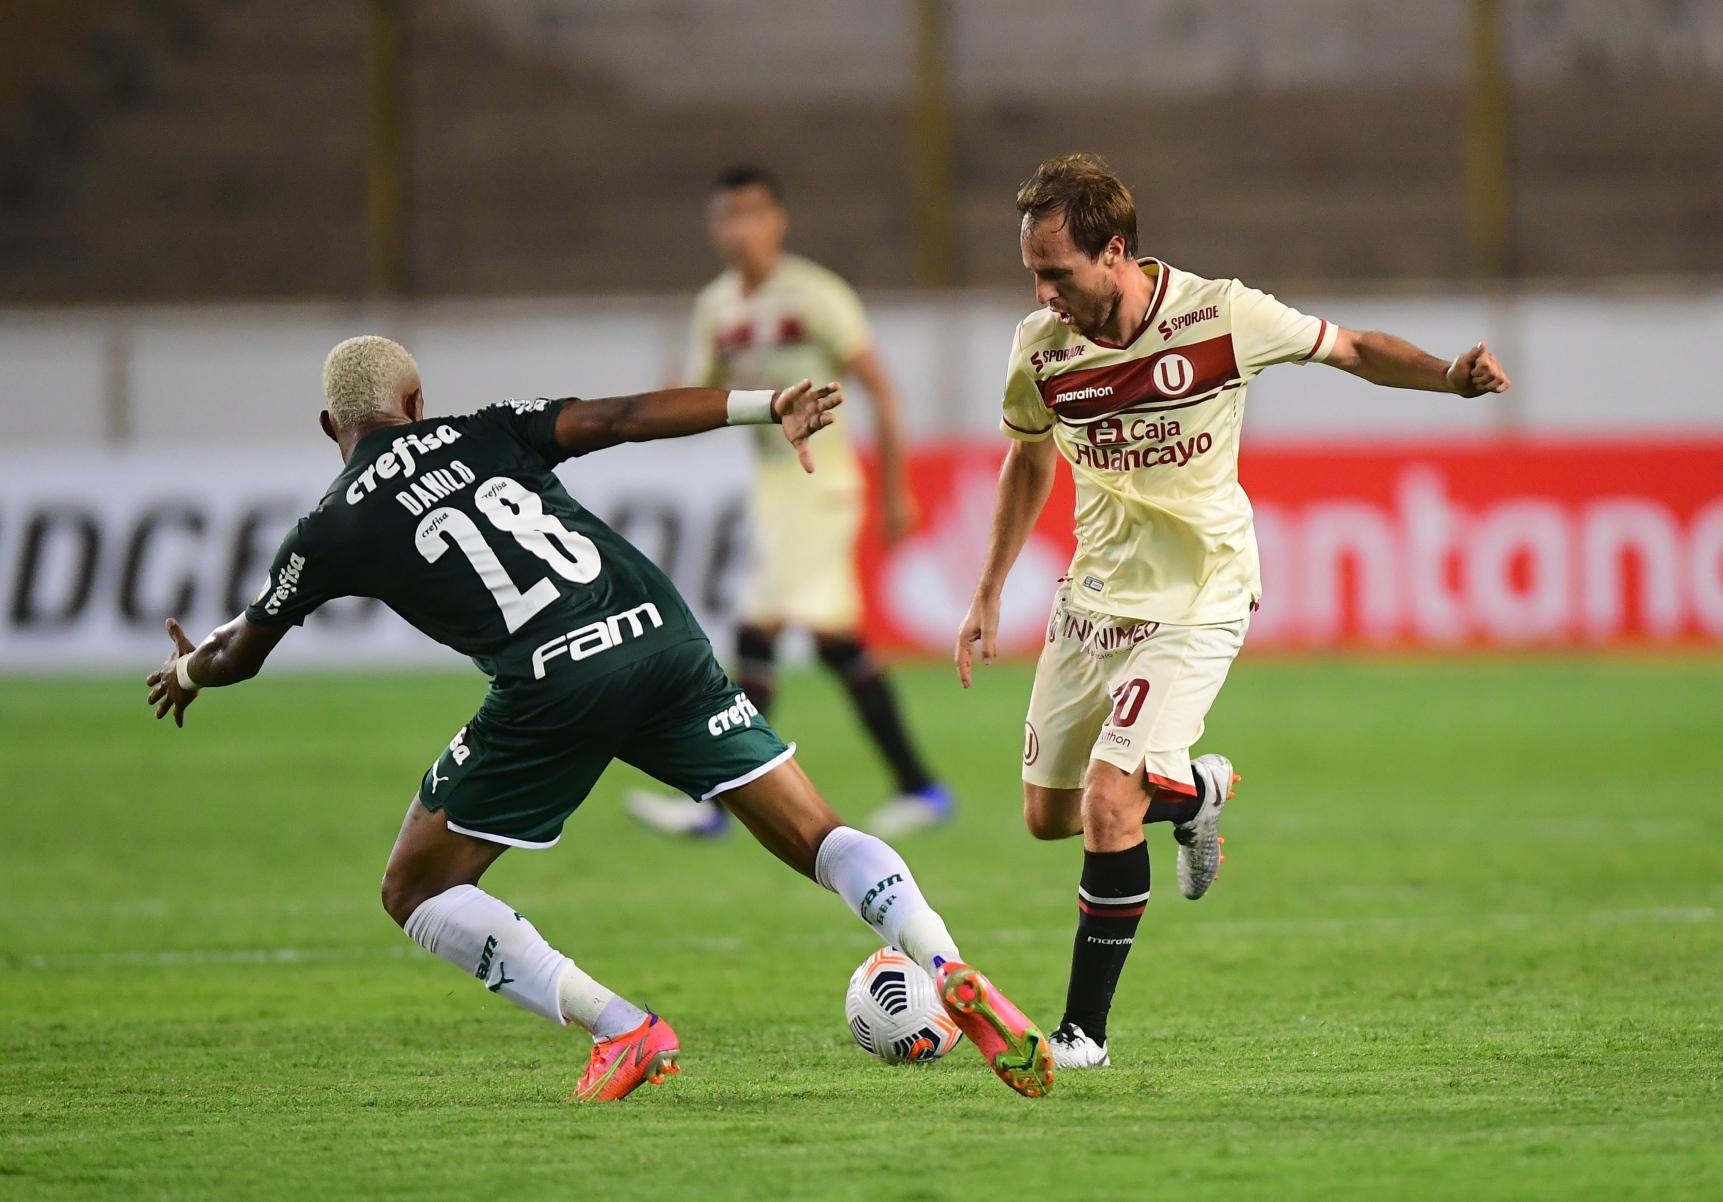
x,y
748,175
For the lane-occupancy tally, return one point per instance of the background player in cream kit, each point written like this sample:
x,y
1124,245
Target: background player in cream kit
x,y
774,316
1135,373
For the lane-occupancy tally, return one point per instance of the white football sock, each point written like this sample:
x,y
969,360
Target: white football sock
x,y
479,934
877,884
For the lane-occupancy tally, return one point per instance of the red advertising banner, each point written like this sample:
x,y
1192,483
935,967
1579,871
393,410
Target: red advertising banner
x,y
1559,543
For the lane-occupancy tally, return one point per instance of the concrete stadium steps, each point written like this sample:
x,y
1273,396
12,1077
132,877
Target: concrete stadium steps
x,y
240,170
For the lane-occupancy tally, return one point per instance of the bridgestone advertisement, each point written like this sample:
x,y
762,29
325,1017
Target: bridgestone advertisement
x,y
97,549
1531,544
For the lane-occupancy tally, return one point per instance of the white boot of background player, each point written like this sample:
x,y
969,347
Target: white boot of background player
x,y
676,815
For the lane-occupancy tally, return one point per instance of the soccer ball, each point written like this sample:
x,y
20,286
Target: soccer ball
x,y
894,1011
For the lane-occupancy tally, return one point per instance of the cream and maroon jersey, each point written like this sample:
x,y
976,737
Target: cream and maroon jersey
x,y
1151,431
802,322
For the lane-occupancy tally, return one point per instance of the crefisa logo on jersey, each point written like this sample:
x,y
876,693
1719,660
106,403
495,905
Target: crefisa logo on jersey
x,y
287,585
399,460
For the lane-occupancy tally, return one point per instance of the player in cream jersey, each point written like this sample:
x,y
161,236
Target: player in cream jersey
x,y
777,316
1151,431
1135,373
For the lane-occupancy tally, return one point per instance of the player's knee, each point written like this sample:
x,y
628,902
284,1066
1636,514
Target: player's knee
x,y
1043,825
402,894
755,647
1051,813
845,655
1112,807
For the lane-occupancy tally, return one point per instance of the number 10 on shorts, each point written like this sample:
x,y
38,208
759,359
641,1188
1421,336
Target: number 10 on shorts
x,y
1128,701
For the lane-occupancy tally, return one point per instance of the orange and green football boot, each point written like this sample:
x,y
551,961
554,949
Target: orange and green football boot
x,y
1014,1047
620,1065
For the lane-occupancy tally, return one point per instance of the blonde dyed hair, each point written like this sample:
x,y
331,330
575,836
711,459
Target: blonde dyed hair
x,y
364,376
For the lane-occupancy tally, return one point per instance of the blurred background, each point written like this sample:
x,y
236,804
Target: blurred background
x,y
199,197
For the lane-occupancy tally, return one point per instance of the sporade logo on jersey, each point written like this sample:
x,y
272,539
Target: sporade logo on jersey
x,y
596,637
1173,325
1057,354
399,460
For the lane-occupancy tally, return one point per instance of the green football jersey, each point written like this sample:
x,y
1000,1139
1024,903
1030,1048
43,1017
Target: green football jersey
x,y
460,526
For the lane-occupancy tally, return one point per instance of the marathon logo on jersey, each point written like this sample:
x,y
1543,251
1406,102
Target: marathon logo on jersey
x,y
532,405
1058,354
1091,393
741,713
1172,325
597,637
401,459
287,585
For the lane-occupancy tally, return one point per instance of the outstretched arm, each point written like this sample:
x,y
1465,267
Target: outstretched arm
x,y
593,425
1395,363
1024,483
897,505
230,654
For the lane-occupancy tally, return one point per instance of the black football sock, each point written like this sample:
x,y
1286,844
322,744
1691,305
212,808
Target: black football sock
x,y
1110,903
755,672
877,707
1165,806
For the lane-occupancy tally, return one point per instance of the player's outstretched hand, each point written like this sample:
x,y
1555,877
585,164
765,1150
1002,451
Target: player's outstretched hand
x,y
1476,372
803,409
980,623
165,693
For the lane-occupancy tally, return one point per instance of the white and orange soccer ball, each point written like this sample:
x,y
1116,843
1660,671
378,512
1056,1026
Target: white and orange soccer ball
x,y
894,1011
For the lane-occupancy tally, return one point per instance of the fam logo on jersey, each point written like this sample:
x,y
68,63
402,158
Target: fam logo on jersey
x,y
1057,354
532,405
597,637
287,585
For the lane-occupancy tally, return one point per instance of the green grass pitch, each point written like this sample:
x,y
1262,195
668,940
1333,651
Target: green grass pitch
x,y
1468,944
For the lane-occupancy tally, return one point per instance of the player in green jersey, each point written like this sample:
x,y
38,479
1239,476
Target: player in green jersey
x,y
461,526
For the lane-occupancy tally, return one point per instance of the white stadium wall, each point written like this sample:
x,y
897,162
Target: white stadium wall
x,y
153,457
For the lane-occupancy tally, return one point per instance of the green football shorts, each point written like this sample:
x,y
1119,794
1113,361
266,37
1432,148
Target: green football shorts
x,y
516,772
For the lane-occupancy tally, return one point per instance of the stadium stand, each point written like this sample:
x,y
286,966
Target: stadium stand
x,y
206,149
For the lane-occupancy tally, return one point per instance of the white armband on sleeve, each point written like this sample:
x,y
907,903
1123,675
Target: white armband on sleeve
x,y
182,672
752,408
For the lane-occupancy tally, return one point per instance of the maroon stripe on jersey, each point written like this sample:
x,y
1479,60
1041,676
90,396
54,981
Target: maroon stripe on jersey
x,y
1321,333
1024,429
1167,375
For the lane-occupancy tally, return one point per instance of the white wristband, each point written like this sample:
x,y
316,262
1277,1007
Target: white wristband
x,y
753,408
182,673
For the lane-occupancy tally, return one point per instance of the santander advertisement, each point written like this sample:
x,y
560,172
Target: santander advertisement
x,y
1504,543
